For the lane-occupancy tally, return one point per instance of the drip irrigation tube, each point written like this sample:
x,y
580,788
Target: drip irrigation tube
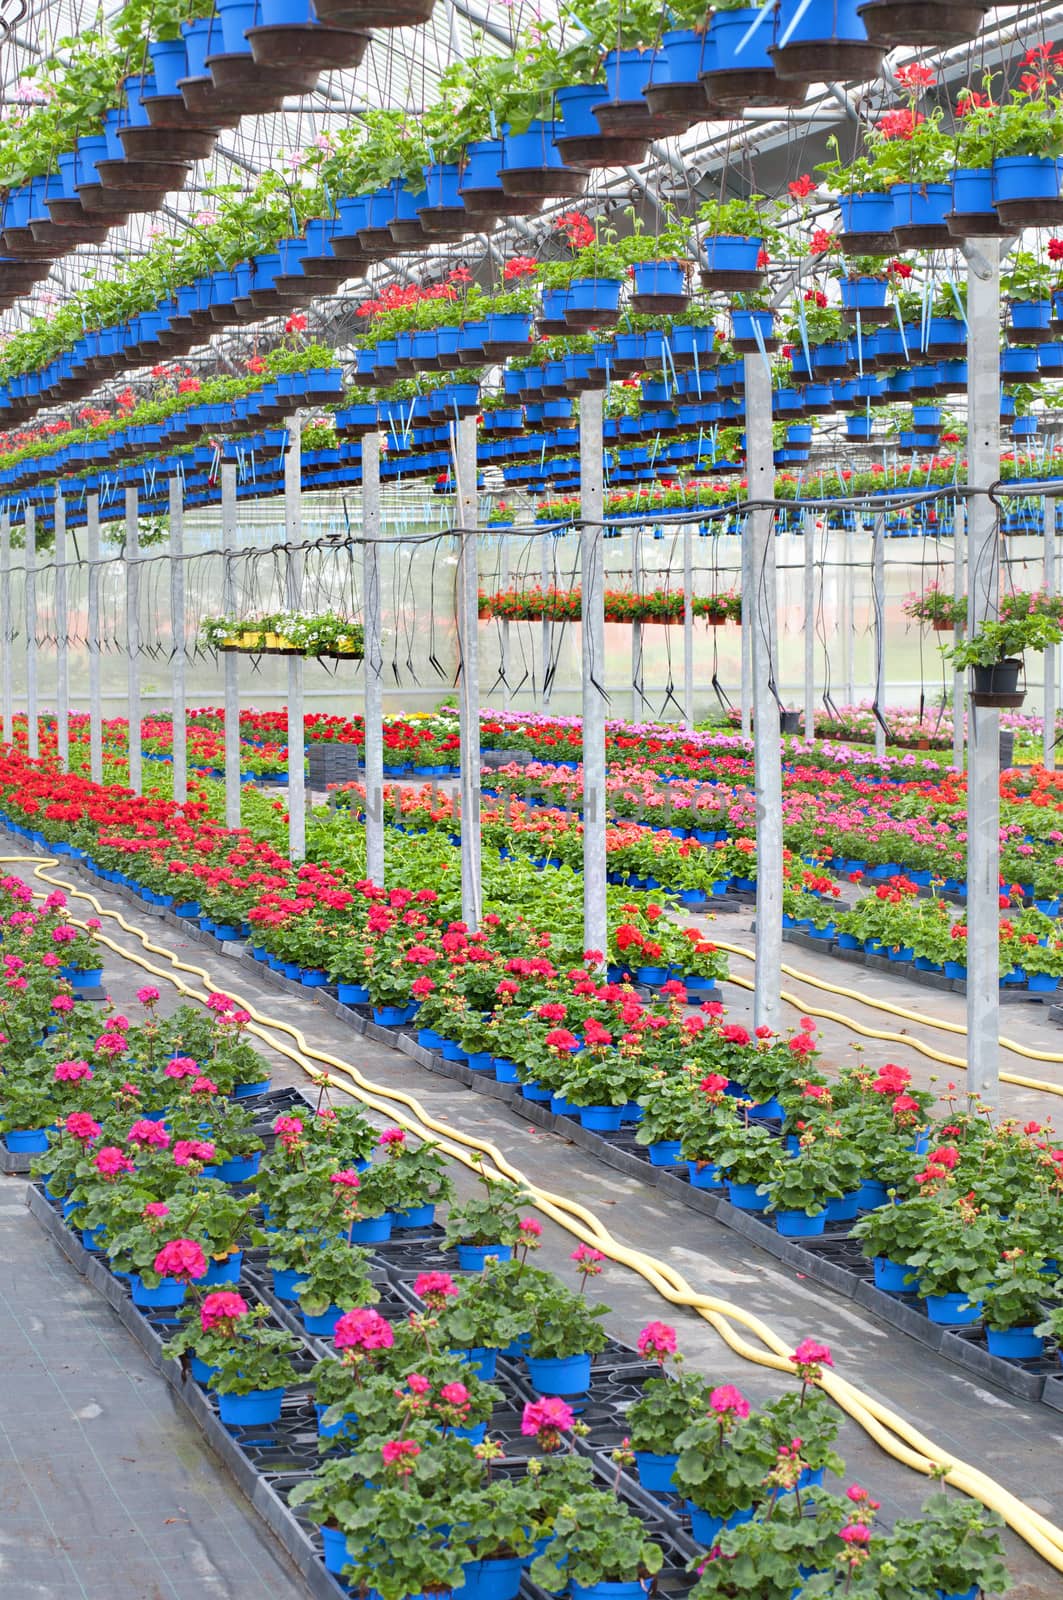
x,y
895,1436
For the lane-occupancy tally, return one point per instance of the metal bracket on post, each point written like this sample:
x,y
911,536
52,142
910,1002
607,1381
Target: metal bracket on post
x,y
463,455
688,625
373,663
293,535
232,659
92,524
33,742
132,627
959,590
760,612
878,566
62,654
592,563
808,528
6,641
179,707
983,744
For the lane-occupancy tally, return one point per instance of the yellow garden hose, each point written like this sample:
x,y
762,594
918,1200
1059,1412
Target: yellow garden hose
x,y
906,1039
891,1432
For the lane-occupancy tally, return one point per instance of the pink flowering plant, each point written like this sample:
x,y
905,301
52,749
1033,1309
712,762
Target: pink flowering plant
x,y
561,1323
337,1274
489,1217
724,1456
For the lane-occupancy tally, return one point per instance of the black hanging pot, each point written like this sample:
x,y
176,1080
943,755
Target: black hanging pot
x,y
998,685
789,721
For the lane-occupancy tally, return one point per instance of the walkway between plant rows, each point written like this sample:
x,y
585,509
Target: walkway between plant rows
x,y
1017,1443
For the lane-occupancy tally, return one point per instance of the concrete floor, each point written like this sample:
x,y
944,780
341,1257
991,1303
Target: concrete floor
x,y
1016,1443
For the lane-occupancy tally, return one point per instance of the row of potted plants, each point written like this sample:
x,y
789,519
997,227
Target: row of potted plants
x,y
652,605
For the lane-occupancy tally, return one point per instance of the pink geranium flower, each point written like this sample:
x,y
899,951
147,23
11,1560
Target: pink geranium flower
x,y
182,1259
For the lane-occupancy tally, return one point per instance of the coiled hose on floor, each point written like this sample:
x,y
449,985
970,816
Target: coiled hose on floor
x,y
890,1432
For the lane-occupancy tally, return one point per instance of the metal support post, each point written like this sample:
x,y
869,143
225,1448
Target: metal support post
x,y
878,570
638,698
959,592
759,605
592,565
6,630
232,660
548,627
688,624
809,530
748,585
1051,652
92,524
983,604
849,611
132,632
463,451
177,629
62,654
33,744
373,663
293,534
503,579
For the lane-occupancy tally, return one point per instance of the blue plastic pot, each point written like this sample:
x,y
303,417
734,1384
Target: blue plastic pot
x,y
26,1141
593,294
484,1359
920,204
656,1471
627,72
630,1590
92,1238
744,1197
601,1119
415,1217
337,1556
492,1580
843,1207
250,1410
323,1326
352,994
169,61
953,1310
652,977
872,1194
729,252
371,1230
168,1292
1015,1344
532,149
483,163
239,1170
972,191
533,1091
705,1528
683,51
287,1283
559,1374
452,1051
1032,314
1025,178
863,294
479,1061
747,325
956,970
442,186
506,1071
728,50
705,1177
285,13
474,1257
347,1424
226,1271
235,16
799,1225
1042,983
389,1016
866,213
245,1091
665,1153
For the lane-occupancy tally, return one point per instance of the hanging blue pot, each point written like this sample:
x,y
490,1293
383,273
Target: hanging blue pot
x,y
920,205
863,294
627,72
728,252
483,164
727,49
747,325
169,62
856,428
660,278
829,22
683,50
1025,178
559,1374
866,213
236,16
972,191
286,13
575,117
1031,314
200,39
533,149
442,187
588,295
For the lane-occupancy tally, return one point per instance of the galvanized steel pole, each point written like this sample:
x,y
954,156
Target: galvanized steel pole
x,y
232,660
592,564
878,566
33,743
1050,653
92,525
179,706
748,622
983,605
293,533
959,592
637,640
6,640
547,569
503,578
809,530
759,605
132,631
62,654
463,453
373,664
688,624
